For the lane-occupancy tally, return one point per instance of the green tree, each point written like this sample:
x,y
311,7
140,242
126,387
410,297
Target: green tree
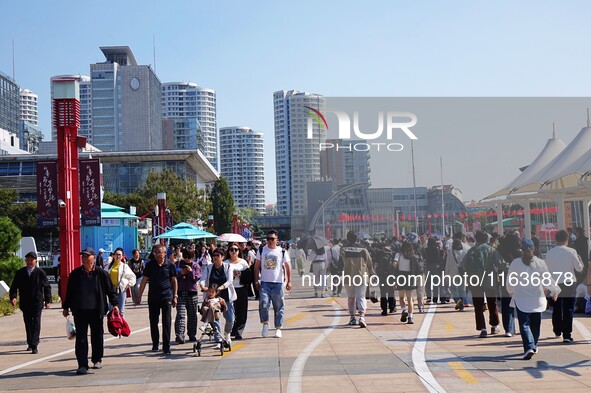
x,y
247,213
22,213
10,237
8,196
222,206
183,198
127,200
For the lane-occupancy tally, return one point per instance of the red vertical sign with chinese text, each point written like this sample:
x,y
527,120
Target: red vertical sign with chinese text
x,y
47,206
90,192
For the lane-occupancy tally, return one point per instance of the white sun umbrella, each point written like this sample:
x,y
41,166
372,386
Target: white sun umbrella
x,y
231,238
554,146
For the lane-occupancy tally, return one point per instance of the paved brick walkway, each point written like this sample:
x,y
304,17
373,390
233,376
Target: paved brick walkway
x,y
318,353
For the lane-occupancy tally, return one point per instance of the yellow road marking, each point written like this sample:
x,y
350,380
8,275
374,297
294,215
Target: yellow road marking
x,y
236,347
297,317
449,327
463,373
332,299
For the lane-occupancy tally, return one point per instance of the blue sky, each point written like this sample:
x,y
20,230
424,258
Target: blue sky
x,y
248,50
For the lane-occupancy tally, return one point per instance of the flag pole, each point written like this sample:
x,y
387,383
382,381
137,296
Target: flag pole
x,y
442,200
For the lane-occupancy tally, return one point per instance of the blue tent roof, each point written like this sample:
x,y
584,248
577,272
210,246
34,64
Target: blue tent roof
x,y
112,211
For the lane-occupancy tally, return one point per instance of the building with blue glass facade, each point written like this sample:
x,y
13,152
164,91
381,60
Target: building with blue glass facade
x,y
123,172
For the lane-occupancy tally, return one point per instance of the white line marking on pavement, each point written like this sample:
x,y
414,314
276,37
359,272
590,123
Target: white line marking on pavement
x,y
294,383
583,330
55,355
580,327
418,354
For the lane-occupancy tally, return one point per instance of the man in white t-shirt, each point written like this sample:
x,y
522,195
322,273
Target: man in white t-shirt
x,y
562,262
271,267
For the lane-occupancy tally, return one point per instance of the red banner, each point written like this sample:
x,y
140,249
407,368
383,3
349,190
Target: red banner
x,y
47,206
90,192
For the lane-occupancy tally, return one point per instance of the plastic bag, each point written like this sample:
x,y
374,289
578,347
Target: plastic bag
x,y
70,328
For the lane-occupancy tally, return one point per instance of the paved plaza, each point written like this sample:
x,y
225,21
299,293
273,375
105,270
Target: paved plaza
x,y
318,353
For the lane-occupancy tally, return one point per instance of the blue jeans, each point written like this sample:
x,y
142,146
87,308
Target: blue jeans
x,y
229,318
271,292
529,326
459,293
121,299
508,315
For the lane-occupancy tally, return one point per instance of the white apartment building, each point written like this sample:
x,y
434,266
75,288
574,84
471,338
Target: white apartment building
x,y
193,110
241,163
29,107
297,158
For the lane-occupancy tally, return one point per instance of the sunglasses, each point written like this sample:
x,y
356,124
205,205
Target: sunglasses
x,y
271,238
118,255
234,250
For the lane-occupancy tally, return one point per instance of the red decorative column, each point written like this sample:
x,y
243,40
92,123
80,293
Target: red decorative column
x,y
162,215
66,119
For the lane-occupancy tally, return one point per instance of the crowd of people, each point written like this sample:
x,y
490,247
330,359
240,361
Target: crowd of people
x,y
502,276
209,283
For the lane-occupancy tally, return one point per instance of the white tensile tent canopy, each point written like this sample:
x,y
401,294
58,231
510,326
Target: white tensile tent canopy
x,y
553,148
555,175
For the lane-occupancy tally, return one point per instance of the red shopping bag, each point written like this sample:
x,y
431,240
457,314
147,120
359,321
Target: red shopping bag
x,y
117,325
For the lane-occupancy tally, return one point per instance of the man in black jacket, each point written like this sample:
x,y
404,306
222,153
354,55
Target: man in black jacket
x,y
34,291
86,296
581,244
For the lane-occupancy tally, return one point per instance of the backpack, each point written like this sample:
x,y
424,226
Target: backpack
x,y
474,261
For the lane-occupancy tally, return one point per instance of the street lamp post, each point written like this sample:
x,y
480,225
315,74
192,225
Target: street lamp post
x,y
323,223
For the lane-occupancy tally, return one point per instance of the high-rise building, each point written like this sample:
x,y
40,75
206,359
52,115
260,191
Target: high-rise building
x,y
126,103
241,163
30,136
85,129
344,166
29,107
9,104
297,157
193,109
29,133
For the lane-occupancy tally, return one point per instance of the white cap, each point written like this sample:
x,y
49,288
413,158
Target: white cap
x,y
101,250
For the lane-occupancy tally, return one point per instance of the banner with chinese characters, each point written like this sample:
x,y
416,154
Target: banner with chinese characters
x,y
90,192
47,206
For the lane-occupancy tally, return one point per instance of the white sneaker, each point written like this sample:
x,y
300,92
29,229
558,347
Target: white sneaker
x,y
528,354
265,331
278,333
362,322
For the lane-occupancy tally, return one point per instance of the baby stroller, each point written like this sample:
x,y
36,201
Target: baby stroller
x,y
210,329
